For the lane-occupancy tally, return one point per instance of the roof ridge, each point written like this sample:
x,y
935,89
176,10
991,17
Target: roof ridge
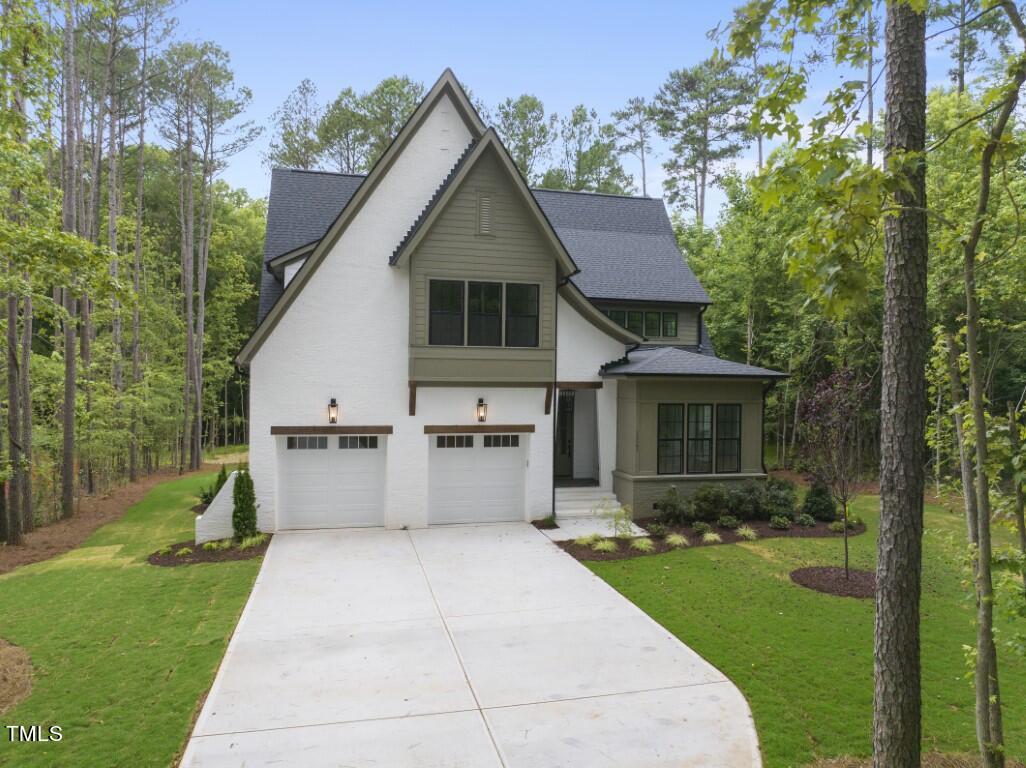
x,y
433,201
646,198
320,171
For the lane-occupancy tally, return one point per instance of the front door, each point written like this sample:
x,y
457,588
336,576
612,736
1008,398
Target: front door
x,y
565,435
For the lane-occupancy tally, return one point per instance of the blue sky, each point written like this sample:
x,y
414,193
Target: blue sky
x,y
597,53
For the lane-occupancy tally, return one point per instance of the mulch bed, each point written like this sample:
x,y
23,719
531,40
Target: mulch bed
x,y
762,527
929,760
91,512
15,675
200,508
830,580
200,555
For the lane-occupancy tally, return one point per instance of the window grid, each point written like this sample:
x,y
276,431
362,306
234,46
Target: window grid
x,y
670,324
502,441
454,441
728,438
346,442
306,442
670,453
483,314
700,439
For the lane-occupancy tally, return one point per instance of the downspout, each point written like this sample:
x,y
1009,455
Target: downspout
x,y
560,282
701,312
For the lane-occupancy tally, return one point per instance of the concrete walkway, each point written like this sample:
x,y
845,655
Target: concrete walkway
x,y
457,647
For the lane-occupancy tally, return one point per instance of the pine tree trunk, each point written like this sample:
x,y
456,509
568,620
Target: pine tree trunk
x,y
1020,504
897,706
133,448
69,220
28,512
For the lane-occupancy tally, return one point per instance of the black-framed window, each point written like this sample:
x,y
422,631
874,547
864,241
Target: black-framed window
x,y
619,317
355,442
669,324
636,322
445,309
728,438
521,315
484,314
454,441
502,441
670,452
652,324
306,443
700,439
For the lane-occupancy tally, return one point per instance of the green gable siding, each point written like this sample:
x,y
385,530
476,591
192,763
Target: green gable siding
x,y
513,251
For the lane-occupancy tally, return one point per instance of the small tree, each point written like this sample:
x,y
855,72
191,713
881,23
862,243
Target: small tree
x,y
244,510
829,431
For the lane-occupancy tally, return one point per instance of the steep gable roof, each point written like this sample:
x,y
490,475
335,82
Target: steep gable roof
x,y
302,206
489,143
447,85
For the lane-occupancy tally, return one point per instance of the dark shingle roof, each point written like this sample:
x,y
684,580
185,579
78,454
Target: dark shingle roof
x,y
675,361
624,246
302,205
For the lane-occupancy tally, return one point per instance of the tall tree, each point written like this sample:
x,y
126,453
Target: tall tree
x,y
294,143
527,132
635,128
903,407
342,133
973,24
387,108
703,112
587,158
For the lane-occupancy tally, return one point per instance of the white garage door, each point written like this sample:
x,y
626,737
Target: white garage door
x,y
476,478
335,481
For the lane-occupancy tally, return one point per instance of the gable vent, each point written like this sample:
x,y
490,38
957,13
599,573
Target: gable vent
x,y
484,214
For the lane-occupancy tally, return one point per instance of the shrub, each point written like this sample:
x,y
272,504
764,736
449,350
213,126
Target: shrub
x,y
673,508
183,552
854,522
779,499
244,509
605,545
746,533
709,502
711,538
587,541
164,551
657,529
210,546
819,503
837,526
728,521
745,501
253,541
701,528
806,521
642,544
780,522
677,541
208,494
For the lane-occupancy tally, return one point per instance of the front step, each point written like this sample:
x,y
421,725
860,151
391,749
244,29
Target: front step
x,y
583,502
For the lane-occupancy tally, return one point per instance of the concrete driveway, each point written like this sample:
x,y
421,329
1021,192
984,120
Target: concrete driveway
x,y
471,646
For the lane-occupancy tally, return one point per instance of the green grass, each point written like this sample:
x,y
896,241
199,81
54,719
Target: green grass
x,y
123,651
805,660
224,450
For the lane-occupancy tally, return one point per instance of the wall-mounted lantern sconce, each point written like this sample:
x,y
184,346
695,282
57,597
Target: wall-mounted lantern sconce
x,y
482,409
333,411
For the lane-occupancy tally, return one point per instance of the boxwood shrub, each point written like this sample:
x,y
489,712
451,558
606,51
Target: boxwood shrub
x,y
819,503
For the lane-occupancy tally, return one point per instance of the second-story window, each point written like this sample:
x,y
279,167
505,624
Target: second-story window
x,y
484,314
669,324
446,310
521,315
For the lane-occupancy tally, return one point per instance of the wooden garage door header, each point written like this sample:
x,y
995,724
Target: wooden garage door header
x,y
333,429
457,429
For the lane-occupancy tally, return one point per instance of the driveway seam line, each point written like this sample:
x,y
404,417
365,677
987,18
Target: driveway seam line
x,y
336,722
608,695
455,650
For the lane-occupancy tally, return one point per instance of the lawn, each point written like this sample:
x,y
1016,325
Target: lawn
x,y
803,659
123,651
